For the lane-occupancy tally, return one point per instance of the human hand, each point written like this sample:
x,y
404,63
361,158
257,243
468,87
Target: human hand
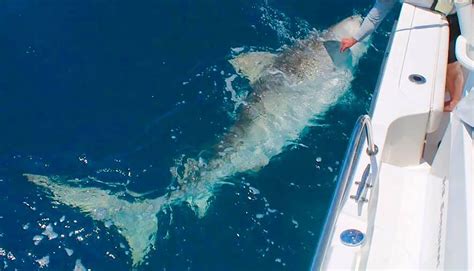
x,y
347,43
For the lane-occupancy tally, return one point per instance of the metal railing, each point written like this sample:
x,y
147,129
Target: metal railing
x,y
363,124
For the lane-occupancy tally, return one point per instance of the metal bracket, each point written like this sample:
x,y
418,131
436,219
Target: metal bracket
x,y
360,196
363,185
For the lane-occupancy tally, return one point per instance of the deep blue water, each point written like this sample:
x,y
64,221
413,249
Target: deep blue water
x,y
118,90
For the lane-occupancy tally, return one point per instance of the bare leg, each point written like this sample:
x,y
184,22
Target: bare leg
x,y
454,84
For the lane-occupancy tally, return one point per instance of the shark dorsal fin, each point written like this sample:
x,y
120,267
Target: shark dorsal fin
x,y
340,60
251,65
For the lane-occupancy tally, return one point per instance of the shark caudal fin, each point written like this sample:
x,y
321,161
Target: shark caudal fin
x,y
136,221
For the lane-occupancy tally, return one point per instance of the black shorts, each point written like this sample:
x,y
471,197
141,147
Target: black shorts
x,y
454,32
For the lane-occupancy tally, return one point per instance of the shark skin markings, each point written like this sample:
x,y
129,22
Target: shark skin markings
x,y
289,89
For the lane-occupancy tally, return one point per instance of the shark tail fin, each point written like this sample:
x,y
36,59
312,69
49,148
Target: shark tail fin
x,y
136,221
251,65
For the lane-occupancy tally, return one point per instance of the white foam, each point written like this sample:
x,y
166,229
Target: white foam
x,y
295,223
110,255
229,88
287,29
69,251
79,266
49,232
83,159
277,21
10,256
37,239
43,262
237,50
254,190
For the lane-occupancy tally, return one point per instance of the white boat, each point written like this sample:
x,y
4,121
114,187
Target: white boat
x,y
404,198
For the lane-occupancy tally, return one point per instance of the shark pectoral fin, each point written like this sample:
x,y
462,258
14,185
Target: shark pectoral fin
x,y
251,65
136,221
340,60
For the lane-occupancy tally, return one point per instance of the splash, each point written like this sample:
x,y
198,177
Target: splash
x,y
286,28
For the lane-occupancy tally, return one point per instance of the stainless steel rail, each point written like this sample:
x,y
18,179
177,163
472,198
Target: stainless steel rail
x,y
363,124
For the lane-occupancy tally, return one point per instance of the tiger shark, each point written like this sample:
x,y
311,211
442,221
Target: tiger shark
x,y
290,88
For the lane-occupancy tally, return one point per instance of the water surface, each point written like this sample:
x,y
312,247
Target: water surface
x,y
119,90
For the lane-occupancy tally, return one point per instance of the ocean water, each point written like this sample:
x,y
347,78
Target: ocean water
x,y
120,91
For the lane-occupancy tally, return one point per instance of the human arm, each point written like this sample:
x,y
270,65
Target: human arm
x,y
373,19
